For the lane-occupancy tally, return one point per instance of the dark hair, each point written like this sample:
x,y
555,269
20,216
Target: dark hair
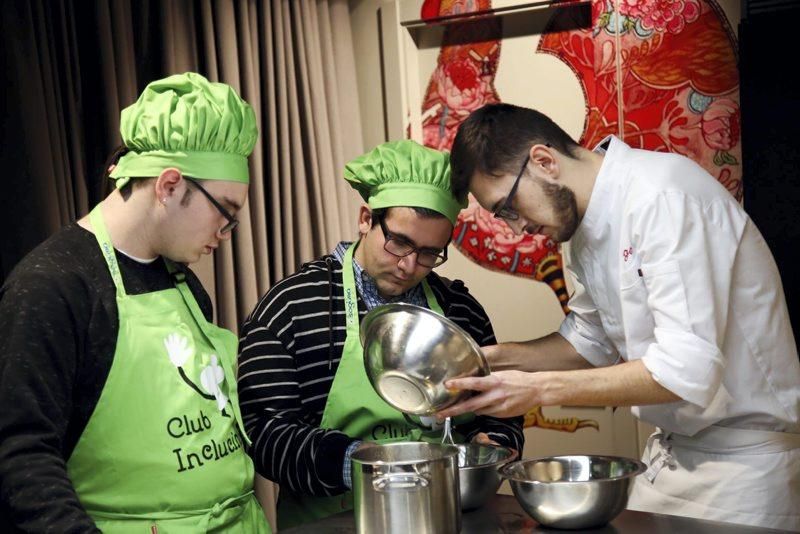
x,y
495,140
106,183
425,213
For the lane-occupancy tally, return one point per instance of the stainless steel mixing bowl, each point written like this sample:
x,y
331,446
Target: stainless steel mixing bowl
x,y
478,473
409,352
572,492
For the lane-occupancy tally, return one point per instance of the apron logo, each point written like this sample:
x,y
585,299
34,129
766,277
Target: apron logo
x,y
212,376
111,260
350,302
210,452
178,349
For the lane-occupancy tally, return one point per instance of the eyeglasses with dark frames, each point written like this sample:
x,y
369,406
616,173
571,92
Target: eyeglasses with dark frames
x,y
505,211
400,247
232,221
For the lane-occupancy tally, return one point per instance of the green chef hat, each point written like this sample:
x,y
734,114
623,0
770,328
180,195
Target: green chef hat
x,y
405,173
184,121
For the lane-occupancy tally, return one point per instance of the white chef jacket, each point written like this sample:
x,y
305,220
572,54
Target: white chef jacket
x,y
669,269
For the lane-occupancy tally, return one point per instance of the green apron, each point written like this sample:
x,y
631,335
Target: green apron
x,y
354,408
163,450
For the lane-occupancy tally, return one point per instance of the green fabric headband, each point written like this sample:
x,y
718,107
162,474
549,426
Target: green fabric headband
x,y
202,128
405,173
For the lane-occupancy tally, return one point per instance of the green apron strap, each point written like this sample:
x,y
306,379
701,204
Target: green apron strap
x,y
103,239
350,296
230,374
205,514
433,304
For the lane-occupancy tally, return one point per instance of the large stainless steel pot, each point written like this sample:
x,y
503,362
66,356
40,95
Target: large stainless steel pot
x,y
406,487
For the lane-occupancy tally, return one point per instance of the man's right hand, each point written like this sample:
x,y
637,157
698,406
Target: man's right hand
x,y
501,394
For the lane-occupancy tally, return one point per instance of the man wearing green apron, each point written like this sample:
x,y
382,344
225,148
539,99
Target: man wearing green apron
x,y
131,419
304,392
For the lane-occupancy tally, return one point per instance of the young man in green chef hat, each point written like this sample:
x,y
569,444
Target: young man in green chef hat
x,y
304,392
119,406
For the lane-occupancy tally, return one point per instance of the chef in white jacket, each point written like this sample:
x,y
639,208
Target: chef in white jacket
x,y
678,312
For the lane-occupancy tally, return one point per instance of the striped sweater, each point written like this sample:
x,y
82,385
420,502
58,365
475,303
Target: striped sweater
x,y
289,352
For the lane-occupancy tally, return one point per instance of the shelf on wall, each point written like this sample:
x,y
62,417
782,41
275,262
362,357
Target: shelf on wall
x,y
517,20
505,11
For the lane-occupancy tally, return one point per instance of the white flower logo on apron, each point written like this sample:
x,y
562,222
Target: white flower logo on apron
x,y
212,376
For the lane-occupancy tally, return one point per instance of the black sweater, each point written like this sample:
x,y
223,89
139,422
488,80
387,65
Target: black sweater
x,y
58,333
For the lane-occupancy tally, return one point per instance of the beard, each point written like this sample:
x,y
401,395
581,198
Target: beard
x,y
562,198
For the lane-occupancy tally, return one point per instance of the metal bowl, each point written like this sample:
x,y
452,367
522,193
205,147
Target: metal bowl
x,y
478,473
572,492
410,351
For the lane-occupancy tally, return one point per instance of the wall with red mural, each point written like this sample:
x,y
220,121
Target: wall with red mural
x,y
660,74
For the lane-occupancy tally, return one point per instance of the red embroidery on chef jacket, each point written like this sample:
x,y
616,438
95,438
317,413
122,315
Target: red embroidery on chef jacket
x,y
627,253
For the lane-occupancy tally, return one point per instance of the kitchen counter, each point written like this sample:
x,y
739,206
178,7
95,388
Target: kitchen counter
x,y
503,514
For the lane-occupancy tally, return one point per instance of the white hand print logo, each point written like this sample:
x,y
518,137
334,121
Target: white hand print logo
x,y
178,349
211,377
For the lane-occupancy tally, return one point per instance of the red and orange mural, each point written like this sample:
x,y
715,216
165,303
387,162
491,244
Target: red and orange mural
x,y
659,74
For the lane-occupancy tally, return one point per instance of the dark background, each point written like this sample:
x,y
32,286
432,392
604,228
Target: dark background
x,y
770,104
50,54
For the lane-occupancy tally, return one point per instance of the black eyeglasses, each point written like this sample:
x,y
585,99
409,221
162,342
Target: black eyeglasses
x,y
400,247
232,222
506,211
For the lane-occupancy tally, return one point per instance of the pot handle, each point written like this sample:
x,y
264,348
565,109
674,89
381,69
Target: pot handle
x,y
399,482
